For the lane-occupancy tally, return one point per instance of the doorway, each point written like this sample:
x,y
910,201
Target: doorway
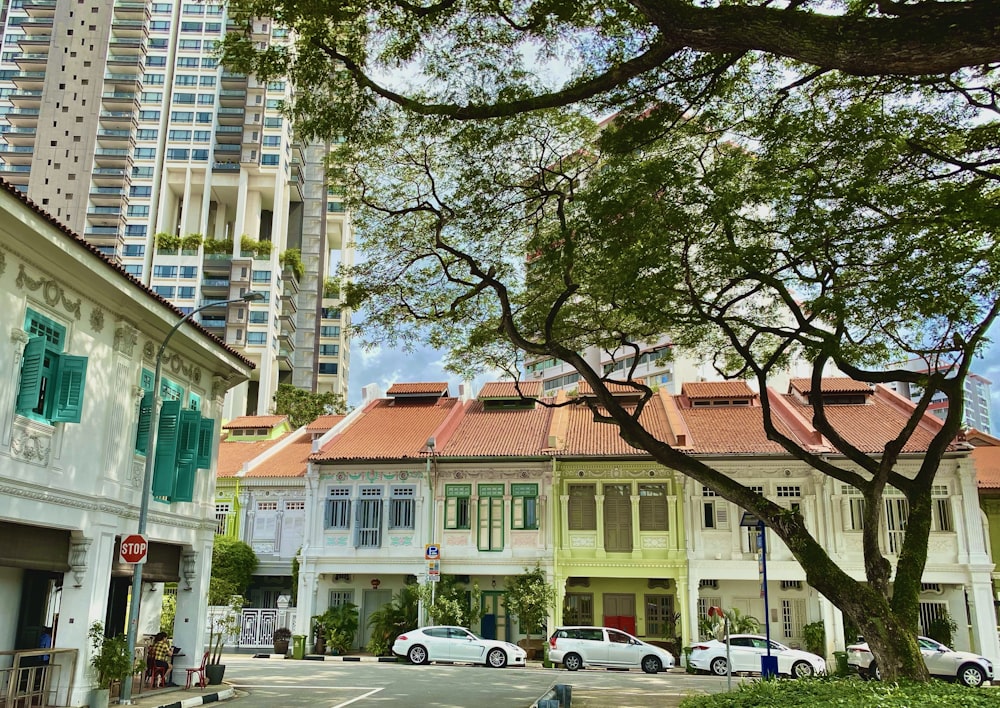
x,y
371,600
619,611
494,624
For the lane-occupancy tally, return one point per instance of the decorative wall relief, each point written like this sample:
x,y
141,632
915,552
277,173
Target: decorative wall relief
x,y
31,442
52,292
3,263
126,337
97,319
78,559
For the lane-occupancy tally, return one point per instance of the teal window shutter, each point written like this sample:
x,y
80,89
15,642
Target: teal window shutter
x,y
187,454
71,377
206,436
165,463
31,375
145,421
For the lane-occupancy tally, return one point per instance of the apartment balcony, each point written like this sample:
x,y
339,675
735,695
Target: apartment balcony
x,y
111,157
37,26
101,232
215,325
215,286
17,154
122,82
108,176
231,97
18,136
284,359
233,167
131,10
107,196
125,64
28,80
113,137
226,150
231,80
22,116
117,100
287,320
104,215
231,116
15,174
125,45
34,42
26,98
122,28
31,61
110,243
289,306
117,120
39,8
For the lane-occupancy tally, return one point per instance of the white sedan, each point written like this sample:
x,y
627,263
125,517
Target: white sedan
x,y
456,645
745,650
942,662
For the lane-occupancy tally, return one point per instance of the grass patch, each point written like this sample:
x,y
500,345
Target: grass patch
x,y
848,693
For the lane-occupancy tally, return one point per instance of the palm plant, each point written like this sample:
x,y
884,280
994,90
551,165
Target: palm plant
x,y
392,619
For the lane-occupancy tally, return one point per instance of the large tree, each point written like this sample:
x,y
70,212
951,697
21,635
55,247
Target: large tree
x,y
776,183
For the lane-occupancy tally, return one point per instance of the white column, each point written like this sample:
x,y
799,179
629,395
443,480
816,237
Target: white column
x,y
983,615
191,618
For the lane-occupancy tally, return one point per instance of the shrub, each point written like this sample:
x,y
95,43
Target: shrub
x,y
845,693
282,634
815,635
942,628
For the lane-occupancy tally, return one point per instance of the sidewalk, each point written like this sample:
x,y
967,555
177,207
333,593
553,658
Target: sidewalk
x,y
183,698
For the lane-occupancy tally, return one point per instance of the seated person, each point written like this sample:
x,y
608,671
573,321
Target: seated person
x,y
162,655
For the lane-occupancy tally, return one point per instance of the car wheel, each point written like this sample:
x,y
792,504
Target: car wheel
x,y
971,675
719,666
651,664
572,662
417,654
802,669
874,673
497,658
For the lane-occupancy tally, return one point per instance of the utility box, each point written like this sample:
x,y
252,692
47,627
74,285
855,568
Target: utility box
x,y
298,646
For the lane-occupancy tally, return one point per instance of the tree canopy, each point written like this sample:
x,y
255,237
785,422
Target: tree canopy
x,y
233,564
812,181
303,407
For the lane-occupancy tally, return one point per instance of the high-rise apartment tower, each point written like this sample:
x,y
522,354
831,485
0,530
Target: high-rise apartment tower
x,y
118,120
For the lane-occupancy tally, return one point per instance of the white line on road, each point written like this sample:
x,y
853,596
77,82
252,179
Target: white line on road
x,y
347,703
325,687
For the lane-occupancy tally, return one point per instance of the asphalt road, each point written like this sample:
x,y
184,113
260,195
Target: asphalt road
x,y
264,683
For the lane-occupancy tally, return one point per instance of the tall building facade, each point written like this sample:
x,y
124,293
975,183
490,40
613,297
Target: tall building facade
x,y
119,121
977,396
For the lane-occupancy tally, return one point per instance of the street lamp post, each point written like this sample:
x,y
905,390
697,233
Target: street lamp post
x,y
768,663
147,480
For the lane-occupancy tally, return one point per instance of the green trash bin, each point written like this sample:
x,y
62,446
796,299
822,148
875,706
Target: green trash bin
x,y
841,658
298,646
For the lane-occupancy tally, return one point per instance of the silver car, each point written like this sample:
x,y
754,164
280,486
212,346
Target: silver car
x,y
942,662
579,647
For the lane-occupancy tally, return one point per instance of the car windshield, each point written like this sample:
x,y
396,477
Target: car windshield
x,y
926,643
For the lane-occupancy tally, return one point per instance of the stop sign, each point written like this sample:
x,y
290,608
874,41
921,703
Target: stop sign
x,y
134,548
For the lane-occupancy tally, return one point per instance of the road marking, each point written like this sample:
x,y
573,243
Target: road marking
x,y
297,685
347,703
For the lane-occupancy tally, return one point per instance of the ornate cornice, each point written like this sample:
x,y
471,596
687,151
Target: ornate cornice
x,y
52,292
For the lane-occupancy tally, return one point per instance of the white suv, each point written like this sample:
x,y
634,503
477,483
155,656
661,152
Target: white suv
x,y
578,647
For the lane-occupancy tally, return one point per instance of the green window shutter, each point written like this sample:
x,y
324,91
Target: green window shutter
x,y
206,436
71,379
145,422
187,453
31,375
165,464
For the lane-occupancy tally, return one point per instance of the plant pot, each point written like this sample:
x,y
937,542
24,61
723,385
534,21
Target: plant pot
x,y
100,697
281,646
214,673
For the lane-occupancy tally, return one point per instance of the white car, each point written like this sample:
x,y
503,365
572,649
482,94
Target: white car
x,y
745,650
456,645
942,662
578,647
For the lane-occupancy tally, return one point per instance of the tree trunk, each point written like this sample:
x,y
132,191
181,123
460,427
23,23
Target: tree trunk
x,y
892,641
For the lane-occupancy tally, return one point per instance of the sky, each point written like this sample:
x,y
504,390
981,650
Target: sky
x,y
384,366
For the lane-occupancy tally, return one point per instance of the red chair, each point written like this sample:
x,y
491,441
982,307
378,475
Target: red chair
x,y
156,672
199,671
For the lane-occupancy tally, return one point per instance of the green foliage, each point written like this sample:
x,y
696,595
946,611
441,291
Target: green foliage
x,y
292,258
167,242
815,635
739,623
109,657
225,622
942,628
295,578
453,603
220,245
168,610
845,693
233,564
338,626
192,242
258,248
303,407
331,288
392,619
282,634
529,596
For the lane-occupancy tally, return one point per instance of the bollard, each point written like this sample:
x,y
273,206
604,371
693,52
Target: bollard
x,y
564,694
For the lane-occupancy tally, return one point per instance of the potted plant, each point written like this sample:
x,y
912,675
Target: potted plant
x,y
226,621
281,637
111,662
337,626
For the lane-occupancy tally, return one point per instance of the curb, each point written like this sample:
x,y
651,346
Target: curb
x,y
320,657
222,695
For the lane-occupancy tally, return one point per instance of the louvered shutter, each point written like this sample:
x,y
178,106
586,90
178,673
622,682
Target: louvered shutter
x,y
165,463
145,421
189,429
70,381
357,523
377,505
721,515
31,375
206,437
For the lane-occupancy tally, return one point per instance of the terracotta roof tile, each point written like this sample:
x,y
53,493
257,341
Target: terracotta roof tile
x,y
729,429
500,432
324,423
389,429
869,426
255,421
837,384
233,455
986,459
584,436
510,389
418,389
717,389
290,461
614,388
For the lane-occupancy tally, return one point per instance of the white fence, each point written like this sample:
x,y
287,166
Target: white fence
x,y
257,625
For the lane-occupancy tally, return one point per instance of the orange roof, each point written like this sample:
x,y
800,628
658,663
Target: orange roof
x,y
234,454
837,384
389,429
584,436
324,423
986,459
418,389
255,421
511,389
729,429
717,389
500,432
290,461
585,389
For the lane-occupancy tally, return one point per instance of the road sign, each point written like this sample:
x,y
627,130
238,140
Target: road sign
x,y
134,547
434,570
432,551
